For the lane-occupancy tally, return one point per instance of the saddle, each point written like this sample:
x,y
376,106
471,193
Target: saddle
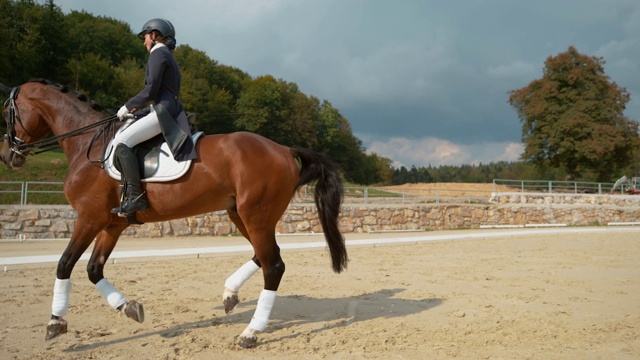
x,y
155,158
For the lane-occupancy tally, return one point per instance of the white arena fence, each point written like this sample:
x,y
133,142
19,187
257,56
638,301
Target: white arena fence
x,y
48,193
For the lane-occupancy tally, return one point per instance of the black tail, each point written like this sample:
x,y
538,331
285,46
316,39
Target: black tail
x,y
328,197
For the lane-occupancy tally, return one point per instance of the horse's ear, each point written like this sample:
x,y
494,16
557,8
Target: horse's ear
x,y
96,106
5,89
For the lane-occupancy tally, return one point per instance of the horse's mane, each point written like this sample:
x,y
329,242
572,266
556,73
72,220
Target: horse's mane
x,y
65,89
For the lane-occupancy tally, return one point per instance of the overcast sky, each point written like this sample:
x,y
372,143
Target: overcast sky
x,y
422,82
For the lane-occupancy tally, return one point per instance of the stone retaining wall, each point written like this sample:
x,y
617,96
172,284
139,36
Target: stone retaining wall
x,y
55,221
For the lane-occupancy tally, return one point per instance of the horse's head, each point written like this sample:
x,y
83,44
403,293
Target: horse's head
x,y
39,108
25,124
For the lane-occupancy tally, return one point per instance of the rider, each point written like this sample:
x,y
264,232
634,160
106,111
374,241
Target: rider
x,y
165,115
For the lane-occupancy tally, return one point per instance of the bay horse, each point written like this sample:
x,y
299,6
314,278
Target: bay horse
x,y
249,176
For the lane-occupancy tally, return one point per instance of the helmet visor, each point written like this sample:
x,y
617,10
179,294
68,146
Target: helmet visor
x,y
144,32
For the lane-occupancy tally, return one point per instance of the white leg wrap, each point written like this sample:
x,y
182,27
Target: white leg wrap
x,y
263,310
113,296
60,303
238,278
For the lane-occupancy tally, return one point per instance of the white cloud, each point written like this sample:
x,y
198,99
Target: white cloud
x,y
435,152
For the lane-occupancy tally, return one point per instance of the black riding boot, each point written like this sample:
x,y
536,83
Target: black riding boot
x,y
134,198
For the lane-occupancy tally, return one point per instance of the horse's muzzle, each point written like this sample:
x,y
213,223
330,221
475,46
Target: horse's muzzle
x,y
10,158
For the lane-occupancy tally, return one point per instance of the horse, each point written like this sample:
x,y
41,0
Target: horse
x,y
249,176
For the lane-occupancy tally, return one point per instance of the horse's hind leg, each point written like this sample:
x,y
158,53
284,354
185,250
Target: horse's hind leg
x,y
105,242
268,255
234,282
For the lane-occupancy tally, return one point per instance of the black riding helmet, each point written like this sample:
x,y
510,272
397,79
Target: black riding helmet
x,y
163,27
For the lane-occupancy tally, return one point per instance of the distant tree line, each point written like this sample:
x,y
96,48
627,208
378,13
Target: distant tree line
x,y
481,173
103,58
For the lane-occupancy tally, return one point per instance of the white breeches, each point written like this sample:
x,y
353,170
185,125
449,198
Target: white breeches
x,y
140,130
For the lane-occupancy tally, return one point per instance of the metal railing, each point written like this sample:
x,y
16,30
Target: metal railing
x,y
382,195
559,187
38,192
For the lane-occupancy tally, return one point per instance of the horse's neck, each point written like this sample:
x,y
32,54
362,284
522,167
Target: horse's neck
x,y
75,146
63,115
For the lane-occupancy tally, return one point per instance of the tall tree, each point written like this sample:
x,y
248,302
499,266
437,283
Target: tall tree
x,y
260,106
109,38
336,140
572,118
27,44
278,110
384,169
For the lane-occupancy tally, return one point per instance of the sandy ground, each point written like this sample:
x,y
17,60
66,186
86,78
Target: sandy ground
x,y
564,296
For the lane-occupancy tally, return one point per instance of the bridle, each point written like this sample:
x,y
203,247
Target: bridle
x,y
16,144
20,147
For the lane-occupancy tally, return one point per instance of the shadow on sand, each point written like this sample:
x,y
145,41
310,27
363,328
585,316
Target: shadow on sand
x,y
328,313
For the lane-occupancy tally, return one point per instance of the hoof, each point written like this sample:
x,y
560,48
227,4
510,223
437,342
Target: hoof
x,y
55,328
230,304
134,310
248,342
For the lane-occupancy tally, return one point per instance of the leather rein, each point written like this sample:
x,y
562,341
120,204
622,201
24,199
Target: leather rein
x,y
21,148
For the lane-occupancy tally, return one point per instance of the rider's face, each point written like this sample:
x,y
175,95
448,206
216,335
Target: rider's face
x,y
148,41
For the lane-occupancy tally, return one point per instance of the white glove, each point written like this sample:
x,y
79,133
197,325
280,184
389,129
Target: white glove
x,y
122,113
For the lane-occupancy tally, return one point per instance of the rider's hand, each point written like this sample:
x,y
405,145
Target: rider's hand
x,y
122,113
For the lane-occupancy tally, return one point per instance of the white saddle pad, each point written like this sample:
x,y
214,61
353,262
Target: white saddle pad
x,y
168,168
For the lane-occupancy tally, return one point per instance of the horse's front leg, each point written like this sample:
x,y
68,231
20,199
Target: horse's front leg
x,y
234,282
272,270
83,235
105,242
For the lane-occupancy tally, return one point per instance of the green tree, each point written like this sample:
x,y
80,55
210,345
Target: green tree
x,y
129,79
301,115
572,118
336,140
384,169
94,75
108,38
55,53
278,110
6,40
27,44
230,79
260,106
225,86
200,94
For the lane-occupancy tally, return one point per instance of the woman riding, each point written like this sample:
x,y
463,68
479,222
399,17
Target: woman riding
x,y
165,114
